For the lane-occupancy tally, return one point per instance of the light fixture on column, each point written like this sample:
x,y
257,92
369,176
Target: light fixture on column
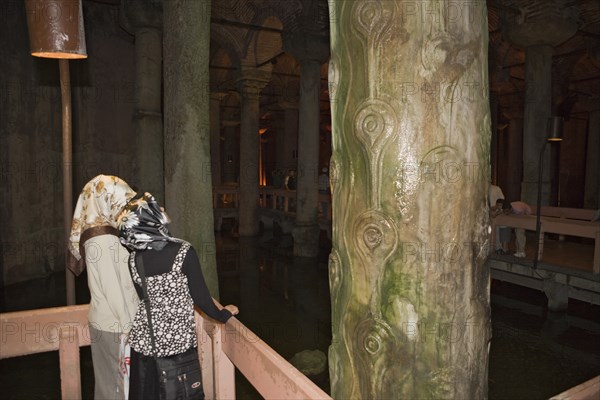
x,y
56,31
555,127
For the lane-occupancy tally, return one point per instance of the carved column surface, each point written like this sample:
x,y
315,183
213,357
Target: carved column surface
x,y
230,150
249,154
592,166
215,137
537,28
144,20
310,49
409,174
187,129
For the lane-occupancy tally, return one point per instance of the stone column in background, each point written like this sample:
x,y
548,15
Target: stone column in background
x,y
289,137
144,20
592,166
187,129
409,174
215,137
310,49
251,84
537,28
230,158
513,157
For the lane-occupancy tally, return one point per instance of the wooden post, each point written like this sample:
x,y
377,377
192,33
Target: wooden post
x,y
70,374
224,371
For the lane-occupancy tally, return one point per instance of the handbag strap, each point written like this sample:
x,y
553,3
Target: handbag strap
x,y
140,267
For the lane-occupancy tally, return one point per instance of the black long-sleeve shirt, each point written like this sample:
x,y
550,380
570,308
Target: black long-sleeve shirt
x,y
158,262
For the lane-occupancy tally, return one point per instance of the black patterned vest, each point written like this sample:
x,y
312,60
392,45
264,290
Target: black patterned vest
x,y
171,308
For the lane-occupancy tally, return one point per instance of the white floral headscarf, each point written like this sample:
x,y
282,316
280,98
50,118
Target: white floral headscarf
x,y
99,204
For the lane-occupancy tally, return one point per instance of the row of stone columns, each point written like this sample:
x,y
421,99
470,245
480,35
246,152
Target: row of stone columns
x,y
537,29
299,117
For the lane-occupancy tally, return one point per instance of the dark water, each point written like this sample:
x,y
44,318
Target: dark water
x,y
285,300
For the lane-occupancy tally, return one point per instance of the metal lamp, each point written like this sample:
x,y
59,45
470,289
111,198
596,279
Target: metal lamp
x,y
555,128
56,31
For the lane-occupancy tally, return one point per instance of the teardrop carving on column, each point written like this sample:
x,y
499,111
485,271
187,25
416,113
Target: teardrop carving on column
x,y
371,20
376,237
374,125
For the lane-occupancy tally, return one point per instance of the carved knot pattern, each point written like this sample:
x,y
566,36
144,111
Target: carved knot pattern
x,y
374,122
372,18
375,235
373,335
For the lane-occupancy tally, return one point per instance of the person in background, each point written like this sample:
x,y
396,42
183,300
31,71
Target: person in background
x,y
289,182
94,243
520,208
496,199
175,284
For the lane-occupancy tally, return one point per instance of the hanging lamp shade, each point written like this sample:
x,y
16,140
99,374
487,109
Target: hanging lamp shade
x,y
555,129
56,28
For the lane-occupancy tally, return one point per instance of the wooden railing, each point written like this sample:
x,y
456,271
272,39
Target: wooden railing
x,y
222,348
569,222
589,390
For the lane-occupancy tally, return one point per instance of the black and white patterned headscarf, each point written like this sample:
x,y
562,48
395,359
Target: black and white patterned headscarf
x,y
143,224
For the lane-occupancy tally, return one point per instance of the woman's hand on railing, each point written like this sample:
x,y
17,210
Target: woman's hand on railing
x,y
232,309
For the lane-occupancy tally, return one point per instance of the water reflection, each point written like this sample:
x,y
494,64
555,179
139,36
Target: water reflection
x,y
285,301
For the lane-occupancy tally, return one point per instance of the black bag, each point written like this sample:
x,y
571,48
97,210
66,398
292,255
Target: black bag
x,y
179,375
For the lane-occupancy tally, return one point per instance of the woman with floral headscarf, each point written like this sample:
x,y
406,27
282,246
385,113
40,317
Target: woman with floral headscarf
x,y
174,284
94,244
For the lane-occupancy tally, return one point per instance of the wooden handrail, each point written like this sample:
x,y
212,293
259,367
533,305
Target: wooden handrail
x,y
222,347
589,390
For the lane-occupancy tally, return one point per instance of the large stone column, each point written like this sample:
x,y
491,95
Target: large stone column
x,y
250,86
215,137
592,165
144,20
310,50
409,174
538,27
187,129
